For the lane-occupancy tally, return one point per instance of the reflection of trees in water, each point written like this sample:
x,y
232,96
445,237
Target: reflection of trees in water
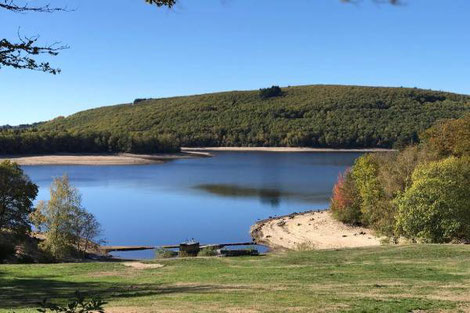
x,y
269,196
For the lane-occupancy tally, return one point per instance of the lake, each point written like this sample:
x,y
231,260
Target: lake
x,y
212,200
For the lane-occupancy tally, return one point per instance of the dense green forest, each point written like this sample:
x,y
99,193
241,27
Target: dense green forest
x,y
310,116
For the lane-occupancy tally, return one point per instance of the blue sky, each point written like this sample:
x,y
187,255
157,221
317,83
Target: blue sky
x,y
121,50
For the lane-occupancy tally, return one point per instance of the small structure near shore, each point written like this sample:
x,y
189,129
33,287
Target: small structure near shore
x,y
189,248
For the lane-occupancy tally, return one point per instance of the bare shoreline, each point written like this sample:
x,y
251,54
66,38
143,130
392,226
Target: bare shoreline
x,y
280,149
101,159
144,159
310,230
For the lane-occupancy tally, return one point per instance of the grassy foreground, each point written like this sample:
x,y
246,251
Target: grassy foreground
x,y
418,278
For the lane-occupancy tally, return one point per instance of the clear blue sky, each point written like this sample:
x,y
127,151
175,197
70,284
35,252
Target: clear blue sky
x,y
121,50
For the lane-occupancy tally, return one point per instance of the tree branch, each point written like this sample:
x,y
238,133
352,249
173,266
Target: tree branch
x,y
160,3
11,5
19,55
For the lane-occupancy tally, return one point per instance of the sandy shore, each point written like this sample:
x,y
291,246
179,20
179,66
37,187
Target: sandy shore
x,y
102,159
310,230
280,149
141,159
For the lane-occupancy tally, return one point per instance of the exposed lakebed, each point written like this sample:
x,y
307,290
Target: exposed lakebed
x,y
213,200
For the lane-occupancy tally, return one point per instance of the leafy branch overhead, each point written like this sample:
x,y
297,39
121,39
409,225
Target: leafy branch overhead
x,y
23,53
20,55
11,5
161,3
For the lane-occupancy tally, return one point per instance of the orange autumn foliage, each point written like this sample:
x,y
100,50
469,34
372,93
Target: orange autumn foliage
x,y
344,202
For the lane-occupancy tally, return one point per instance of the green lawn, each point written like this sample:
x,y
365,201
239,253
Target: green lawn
x,y
419,278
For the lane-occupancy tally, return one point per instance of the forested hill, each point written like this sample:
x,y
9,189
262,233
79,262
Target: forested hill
x,y
314,116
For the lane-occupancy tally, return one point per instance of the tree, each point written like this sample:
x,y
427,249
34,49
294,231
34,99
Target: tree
x,y
365,174
17,193
345,202
266,93
450,137
68,227
436,207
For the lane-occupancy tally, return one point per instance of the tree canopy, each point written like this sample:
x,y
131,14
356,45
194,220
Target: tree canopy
x,y
436,206
68,226
421,193
17,193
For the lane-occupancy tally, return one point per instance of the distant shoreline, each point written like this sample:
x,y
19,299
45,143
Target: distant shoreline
x,y
280,149
101,159
145,159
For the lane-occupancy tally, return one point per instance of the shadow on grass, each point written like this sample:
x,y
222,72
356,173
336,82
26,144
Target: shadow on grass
x,y
27,292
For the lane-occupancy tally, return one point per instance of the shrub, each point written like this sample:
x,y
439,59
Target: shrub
x,y
345,202
163,253
436,206
208,251
79,304
274,91
305,246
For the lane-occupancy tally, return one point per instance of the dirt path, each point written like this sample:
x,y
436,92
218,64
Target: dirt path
x,y
311,230
142,266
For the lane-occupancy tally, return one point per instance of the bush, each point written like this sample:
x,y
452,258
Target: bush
x,y
79,304
163,253
345,203
274,91
436,206
208,251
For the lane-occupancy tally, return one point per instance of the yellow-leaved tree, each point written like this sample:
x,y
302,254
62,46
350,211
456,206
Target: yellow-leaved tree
x,y
68,227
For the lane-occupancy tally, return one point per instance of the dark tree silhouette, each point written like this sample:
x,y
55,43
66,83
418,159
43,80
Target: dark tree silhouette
x,y
160,3
21,54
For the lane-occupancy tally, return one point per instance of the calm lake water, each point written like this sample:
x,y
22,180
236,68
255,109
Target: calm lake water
x,y
212,200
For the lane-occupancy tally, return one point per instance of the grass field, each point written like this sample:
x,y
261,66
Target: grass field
x,y
416,278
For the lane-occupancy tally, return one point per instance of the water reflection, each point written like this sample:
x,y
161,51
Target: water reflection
x,y
266,195
271,196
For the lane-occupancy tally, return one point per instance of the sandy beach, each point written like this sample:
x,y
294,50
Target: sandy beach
x,y
142,159
102,159
279,149
310,230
